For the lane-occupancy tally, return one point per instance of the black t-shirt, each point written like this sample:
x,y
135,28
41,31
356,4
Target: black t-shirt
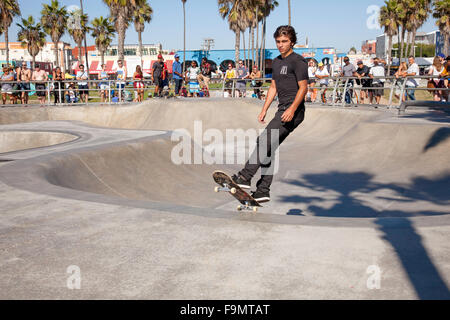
x,y
286,73
158,68
364,70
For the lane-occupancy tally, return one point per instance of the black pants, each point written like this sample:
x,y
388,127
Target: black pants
x,y
255,162
178,84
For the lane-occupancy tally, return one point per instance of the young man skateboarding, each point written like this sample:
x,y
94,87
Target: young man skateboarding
x,y
290,83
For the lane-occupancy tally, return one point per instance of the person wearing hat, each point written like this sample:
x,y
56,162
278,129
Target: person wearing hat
x,y
322,74
363,72
157,74
177,74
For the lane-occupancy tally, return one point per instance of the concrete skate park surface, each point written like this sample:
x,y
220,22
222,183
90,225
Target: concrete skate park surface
x,y
96,188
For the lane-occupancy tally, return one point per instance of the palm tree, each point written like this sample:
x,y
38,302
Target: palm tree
x,y
417,18
234,12
8,10
78,29
54,22
289,8
122,15
142,14
388,21
442,13
184,36
32,36
103,32
267,6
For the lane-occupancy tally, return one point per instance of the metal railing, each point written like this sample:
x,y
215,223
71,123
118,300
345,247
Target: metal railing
x,y
115,91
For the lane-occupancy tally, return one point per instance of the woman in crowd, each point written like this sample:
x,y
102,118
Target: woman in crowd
x,y
256,84
192,74
436,69
139,86
399,75
229,76
58,78
312,94
7,85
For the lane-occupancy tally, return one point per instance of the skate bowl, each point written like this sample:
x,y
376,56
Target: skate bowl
x,y
12,141
340,163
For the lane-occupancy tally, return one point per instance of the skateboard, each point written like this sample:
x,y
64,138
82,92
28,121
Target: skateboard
x,y
227,185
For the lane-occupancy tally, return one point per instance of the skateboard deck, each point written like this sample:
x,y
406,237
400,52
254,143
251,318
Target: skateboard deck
x,y
227,185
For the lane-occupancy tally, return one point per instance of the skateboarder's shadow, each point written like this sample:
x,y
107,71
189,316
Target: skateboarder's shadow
x,y
357,195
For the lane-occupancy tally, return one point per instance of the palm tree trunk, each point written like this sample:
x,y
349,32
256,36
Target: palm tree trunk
x,y
263,47
237,45
80,56
446,44
412,51
402,43
252,31
140,48
5,28
56,51
34,62
257,37
289,7
249,44
102,57
121,38
184,38
245,52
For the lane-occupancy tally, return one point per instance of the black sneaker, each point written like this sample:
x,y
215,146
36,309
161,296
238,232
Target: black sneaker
x,y
261,197
241,182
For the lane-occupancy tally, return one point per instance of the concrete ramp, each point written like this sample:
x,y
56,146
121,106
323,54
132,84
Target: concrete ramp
x,y
341,163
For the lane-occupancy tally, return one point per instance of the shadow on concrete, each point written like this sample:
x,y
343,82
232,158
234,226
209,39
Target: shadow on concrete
x,y
417,264
342,186
403,238
441,135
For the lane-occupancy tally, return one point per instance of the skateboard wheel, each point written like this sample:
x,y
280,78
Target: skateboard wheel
x,y
216,189
233,191
255,209
239,208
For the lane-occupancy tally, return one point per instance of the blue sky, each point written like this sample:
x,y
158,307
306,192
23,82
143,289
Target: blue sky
x,y
340,24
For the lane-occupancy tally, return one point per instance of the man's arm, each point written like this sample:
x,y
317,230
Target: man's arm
x,y
288,115
271,94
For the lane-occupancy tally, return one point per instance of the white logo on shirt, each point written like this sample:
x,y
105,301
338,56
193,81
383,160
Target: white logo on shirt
x,y
284,70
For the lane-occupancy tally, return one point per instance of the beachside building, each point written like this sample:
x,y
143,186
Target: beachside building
x,y
131,56
18,53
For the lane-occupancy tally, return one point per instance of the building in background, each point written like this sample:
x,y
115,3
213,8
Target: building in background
x,y
430,38
131,56
46,56
369,47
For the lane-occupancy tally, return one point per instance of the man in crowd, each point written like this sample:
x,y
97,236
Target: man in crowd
x,y
24,77
177,74
411,83
242,73
377,71
349,70
157,75
121,76
40,76
83,86
205,76
363,72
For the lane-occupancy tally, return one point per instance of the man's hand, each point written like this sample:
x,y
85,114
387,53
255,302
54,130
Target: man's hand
x,y
288,115
262,117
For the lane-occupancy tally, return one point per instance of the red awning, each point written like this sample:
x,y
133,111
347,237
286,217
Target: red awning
x,y
109,66
93,67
